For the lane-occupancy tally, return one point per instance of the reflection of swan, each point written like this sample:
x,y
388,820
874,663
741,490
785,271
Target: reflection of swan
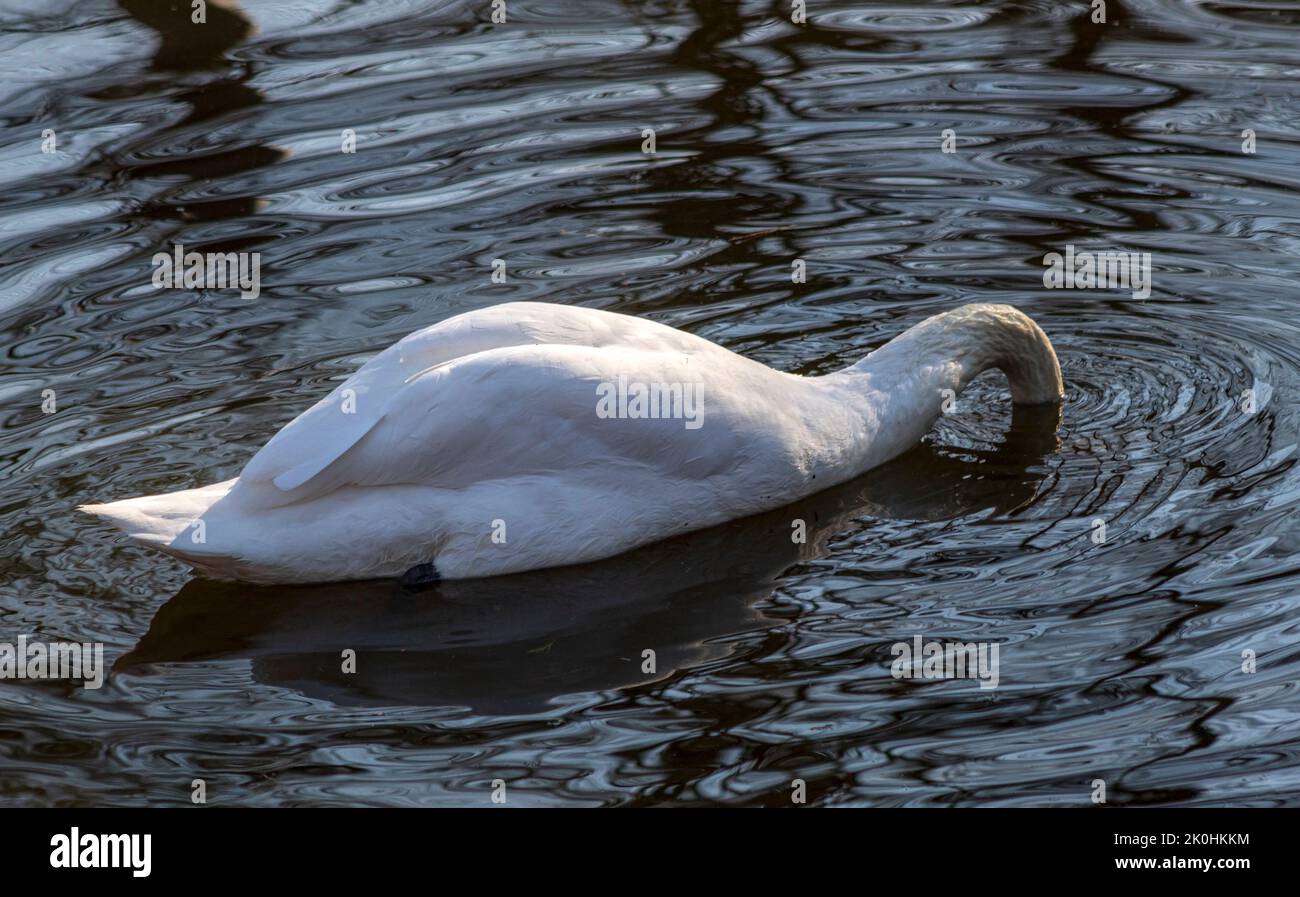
x,y
509,644
527,436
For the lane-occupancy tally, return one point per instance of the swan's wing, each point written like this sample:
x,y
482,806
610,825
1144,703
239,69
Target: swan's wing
x,y
326,431
534,411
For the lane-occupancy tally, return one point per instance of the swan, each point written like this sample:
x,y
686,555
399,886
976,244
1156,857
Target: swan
x,y
528,435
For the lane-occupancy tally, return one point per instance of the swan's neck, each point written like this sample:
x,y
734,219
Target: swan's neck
x,y
903,386
949,350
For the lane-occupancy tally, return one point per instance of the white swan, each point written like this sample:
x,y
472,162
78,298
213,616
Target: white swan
x,y
484,444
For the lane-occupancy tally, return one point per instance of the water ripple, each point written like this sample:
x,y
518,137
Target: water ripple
x,y
1121,658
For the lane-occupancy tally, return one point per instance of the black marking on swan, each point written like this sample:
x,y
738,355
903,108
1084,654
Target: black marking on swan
x,y
421,577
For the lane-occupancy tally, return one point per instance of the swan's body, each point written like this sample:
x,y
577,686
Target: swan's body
x,y
476,445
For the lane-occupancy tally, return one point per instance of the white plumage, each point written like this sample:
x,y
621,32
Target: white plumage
x,y
478,445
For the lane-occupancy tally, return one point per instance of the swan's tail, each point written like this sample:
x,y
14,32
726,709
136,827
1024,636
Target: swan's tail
x,y
174,522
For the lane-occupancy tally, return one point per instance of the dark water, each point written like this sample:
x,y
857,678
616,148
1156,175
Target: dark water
x,y
1120,661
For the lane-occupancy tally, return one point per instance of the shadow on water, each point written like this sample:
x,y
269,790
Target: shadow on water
x,y
729,155
198,53
510,644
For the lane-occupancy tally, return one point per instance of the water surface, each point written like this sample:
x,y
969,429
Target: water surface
x,y
1120,661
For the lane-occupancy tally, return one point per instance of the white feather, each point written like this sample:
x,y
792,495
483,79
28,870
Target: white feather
x,y
486,424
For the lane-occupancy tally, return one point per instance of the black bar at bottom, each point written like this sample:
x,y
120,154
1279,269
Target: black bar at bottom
x,y
214,845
